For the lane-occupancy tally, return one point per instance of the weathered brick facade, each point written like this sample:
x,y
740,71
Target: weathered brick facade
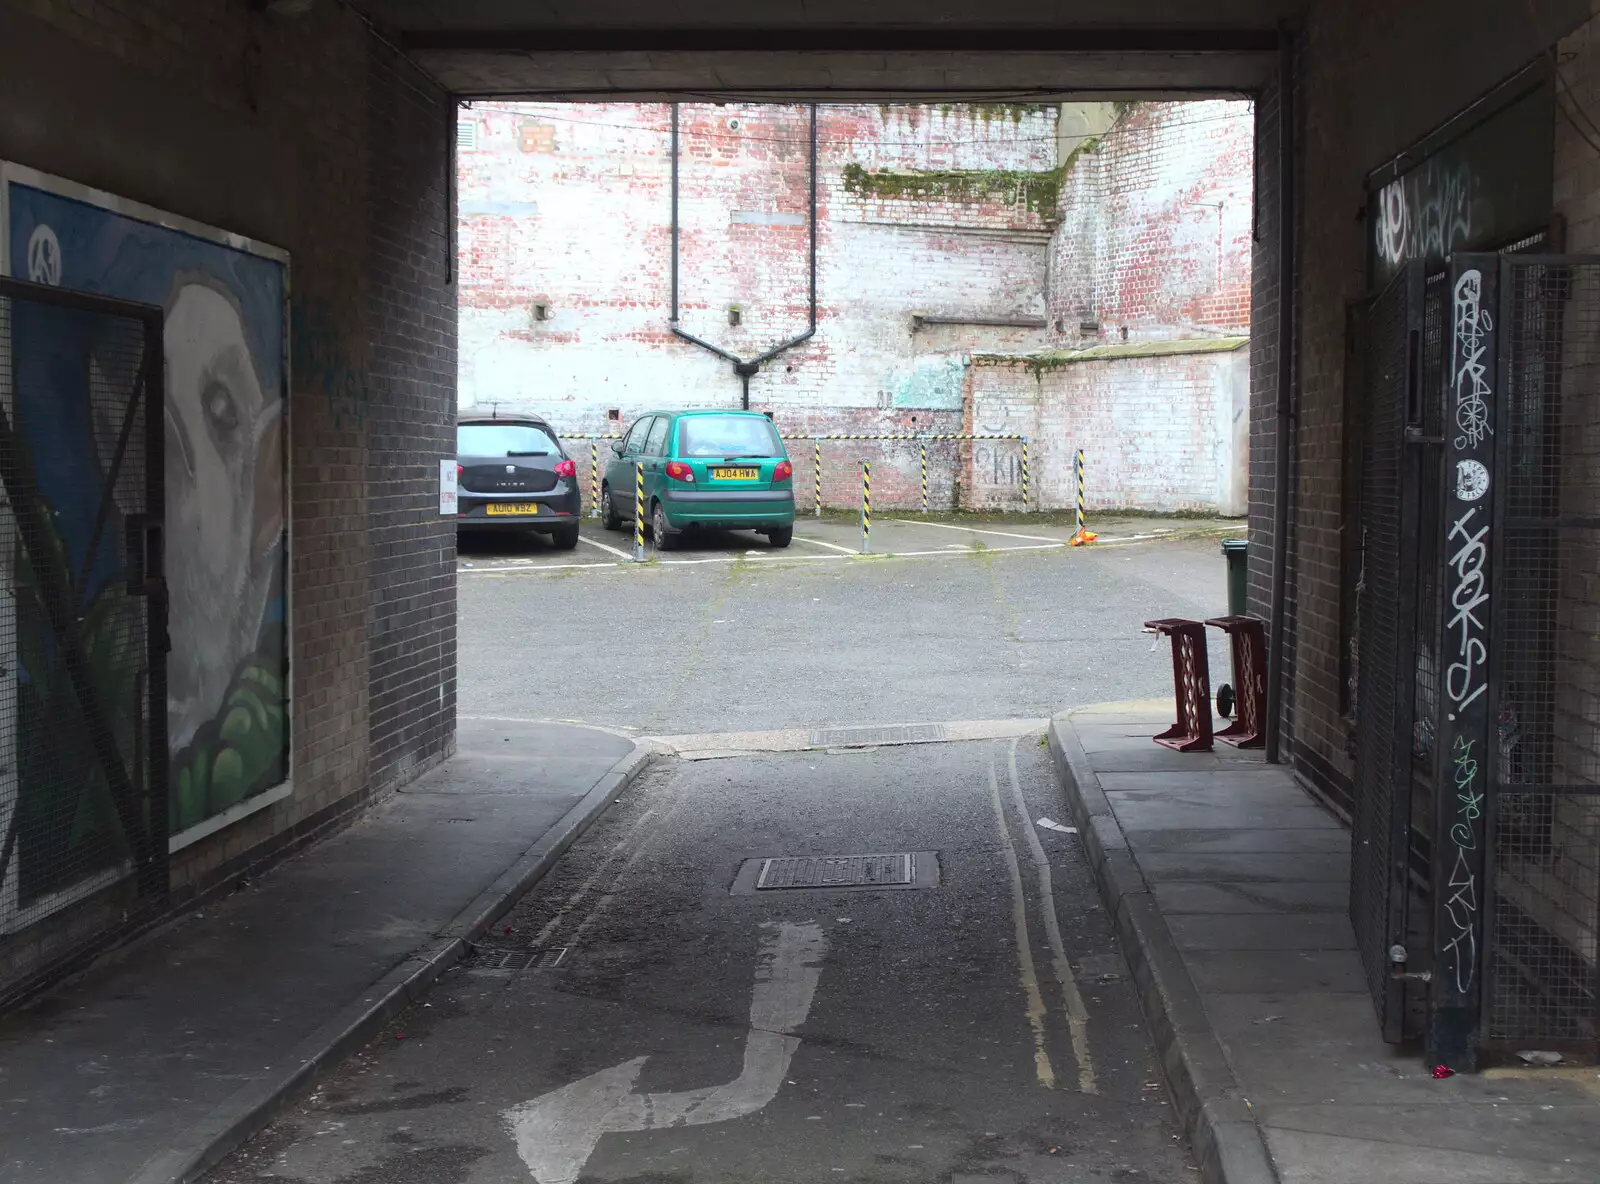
x,y
985,222
305,131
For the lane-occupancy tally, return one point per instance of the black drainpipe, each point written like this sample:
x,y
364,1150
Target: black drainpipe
x,y
1285,425
745,370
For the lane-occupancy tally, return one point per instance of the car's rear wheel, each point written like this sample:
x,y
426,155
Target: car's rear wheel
x,y
780,536
666,537
564,538
608,510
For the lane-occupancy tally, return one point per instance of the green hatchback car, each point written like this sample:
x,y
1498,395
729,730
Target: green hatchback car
x,y
718,470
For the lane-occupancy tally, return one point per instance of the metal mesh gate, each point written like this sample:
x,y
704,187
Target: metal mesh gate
x,y
1543,967
1386,594
83,753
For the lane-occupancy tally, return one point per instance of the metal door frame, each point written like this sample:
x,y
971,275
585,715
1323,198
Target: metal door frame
x,y
1382,796
143,808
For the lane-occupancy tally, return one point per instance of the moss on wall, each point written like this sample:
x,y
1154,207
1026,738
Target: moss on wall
x,y
988,112
1039,191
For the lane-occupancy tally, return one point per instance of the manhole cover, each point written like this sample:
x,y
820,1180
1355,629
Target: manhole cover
x,y
798,873
860,737
501,958
835,871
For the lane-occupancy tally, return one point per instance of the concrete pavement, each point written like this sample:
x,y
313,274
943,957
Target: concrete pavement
x,y
975,1026
1229,886
158,1061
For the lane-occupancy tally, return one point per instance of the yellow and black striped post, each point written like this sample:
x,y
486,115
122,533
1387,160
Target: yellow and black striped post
x,y
1083,534
594,479
816,472
924,476
638,512
1024,478
866,506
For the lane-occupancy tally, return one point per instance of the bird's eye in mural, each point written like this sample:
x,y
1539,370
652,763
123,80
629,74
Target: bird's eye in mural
x,y
222,412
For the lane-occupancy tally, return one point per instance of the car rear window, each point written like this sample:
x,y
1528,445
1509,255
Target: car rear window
x,y
727,435
504,439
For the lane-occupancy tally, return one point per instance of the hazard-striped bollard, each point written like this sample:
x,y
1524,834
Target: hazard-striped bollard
x,y
1083,534
866,506
594,480
638,512
816,474
924,477
1024,478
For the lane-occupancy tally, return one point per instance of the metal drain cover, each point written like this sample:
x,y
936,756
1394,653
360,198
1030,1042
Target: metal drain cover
x,y
835,871
510,959
799,873
861,737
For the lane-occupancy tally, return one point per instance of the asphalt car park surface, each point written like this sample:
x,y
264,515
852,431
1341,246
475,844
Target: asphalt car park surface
x,y
990,620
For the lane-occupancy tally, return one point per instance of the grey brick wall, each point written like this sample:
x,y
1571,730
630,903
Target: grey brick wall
x,y
1270,335
1373,78
411,310
306,132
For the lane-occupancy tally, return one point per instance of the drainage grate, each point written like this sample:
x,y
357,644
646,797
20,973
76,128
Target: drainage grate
x,y
776,875
502,958
860,737
836,871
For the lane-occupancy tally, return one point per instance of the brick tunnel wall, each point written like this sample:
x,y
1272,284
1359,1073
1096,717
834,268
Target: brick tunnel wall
x,y
308,133
568,207
1432,61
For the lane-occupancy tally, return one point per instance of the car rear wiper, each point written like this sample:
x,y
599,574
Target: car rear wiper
x,y
511,454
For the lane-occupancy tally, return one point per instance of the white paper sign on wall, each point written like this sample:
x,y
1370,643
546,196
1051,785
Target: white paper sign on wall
x,y
447,488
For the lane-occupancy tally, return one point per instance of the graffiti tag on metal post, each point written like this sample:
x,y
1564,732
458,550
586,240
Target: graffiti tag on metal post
x,y
1467,524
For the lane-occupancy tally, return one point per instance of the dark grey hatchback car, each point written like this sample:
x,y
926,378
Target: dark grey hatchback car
x,y
513,474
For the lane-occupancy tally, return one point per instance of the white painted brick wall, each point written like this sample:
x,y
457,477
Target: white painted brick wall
x,y
569,206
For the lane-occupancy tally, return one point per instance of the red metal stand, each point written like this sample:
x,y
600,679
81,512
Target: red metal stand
x,y
1191,682
1249,642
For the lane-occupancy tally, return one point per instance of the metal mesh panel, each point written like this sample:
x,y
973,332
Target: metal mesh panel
x,y
1382,717
1429,419
81,784
1546,822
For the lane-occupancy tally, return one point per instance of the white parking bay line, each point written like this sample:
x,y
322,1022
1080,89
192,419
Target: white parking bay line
x,y
800,538
617,551
1004,534
533,569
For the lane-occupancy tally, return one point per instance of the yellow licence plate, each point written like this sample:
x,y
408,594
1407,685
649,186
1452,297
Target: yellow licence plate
x,y
735,474
495,509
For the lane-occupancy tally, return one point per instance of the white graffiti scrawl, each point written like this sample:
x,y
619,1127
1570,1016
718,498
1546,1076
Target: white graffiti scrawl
x,y
1465,678
1461,906
1424,215
1469,375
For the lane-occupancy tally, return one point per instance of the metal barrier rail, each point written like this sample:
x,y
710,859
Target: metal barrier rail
x,y
922,438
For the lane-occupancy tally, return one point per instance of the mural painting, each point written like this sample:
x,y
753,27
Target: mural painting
x,y
224,300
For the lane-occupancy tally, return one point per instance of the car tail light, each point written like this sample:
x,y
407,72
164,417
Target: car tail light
x,y
783,472
460,469
679,471
567,468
